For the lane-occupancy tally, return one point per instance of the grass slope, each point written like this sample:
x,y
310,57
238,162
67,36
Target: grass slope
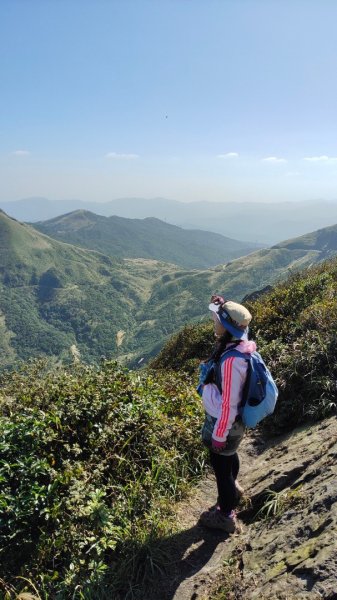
x,y
144,238
182,297
55,296
324,240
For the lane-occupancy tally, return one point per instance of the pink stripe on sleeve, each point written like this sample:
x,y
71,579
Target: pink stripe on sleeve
x,y
226,394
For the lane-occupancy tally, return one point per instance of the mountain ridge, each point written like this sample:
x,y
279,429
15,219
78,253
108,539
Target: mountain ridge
x,y
55,295
144,238
265,223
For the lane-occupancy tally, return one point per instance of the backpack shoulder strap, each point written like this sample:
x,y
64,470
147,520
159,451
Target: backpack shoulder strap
x,y
232,351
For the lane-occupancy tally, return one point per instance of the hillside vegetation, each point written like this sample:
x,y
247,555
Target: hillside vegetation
x,y
91,461
144,238
324,240
92,458
56,297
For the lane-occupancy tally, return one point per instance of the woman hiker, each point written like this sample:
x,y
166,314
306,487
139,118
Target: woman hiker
x,y
223,429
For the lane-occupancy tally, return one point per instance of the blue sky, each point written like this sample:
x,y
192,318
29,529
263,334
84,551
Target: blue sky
x,y
188,99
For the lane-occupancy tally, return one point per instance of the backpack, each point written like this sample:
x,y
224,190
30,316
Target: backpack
x,y
260,391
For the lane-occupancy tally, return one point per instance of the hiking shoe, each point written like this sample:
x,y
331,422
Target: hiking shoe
x,y
215,519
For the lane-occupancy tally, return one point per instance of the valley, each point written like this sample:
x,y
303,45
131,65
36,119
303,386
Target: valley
x,y
55,295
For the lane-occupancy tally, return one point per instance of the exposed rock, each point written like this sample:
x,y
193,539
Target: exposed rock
x,y
291,555
295,553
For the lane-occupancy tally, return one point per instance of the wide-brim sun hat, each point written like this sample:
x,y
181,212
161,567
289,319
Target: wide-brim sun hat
x,y
233,316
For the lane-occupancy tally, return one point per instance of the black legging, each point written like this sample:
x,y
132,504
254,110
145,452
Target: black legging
x,y
226,469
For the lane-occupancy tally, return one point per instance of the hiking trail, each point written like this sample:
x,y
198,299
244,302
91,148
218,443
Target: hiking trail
x,y
291,555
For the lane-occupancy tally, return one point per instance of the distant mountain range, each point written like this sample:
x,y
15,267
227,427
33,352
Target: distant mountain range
x,y
55,297
144,238
255,222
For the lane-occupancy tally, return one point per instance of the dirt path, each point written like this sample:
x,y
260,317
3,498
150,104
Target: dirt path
x,y
196,554
291,556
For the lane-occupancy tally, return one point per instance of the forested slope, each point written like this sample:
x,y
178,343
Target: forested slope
x,y
57,298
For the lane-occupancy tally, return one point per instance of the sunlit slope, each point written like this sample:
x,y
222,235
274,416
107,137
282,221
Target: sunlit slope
x,y
54,295
144,238
244,275
324,240
183,297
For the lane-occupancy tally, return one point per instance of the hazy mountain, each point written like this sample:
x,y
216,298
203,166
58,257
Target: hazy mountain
x,y
54,295
249,221
144,238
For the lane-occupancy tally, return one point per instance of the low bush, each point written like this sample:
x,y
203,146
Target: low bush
x,y
90,459
295,327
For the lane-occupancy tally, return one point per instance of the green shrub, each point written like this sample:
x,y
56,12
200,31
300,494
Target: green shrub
x,y
89,460
295,328
186,349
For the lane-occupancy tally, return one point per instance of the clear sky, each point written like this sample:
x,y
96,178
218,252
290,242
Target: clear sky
x,y
185,99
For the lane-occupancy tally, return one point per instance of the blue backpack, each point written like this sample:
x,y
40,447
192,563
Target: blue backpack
x,y
260,391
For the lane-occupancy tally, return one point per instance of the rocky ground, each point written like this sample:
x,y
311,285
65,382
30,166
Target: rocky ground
x,y
291,554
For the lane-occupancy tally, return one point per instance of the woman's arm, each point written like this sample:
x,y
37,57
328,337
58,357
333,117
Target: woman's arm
x,y
233,372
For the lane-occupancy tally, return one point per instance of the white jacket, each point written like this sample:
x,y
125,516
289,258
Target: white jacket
x,y
225,407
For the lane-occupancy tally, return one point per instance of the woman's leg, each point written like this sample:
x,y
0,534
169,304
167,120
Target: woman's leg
x,y
235,465
226,469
